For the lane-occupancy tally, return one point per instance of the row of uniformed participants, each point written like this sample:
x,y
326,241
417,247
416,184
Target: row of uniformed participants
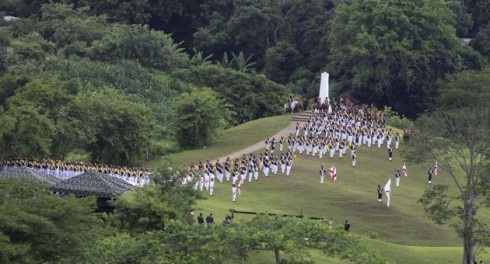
x,y
238,171
63,170
321,135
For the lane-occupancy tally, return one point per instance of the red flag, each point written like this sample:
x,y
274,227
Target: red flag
x,y
404,169
434,169
333,173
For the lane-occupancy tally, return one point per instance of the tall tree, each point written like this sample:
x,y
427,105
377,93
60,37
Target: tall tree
x,y
280,62
200,117
121,127
457,135
394,52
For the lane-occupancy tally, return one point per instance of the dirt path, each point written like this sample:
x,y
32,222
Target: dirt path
x,y
261,145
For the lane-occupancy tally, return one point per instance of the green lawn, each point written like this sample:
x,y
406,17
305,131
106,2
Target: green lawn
x,y
231,140
404,234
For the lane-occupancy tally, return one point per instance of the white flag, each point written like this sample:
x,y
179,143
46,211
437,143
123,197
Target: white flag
x,y
434,169
387,192
333,173
404,169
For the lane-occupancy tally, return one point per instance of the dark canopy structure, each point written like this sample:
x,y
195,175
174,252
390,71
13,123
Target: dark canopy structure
x,y
93,183
30,174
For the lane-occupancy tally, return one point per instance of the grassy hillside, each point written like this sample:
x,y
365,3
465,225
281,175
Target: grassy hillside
x,y
403,233
231,140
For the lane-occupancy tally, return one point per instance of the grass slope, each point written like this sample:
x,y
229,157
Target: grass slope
x,y
404,234
231,140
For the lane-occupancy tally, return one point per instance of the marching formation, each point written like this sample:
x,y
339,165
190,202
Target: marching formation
x,y
65,170
324,134
239,171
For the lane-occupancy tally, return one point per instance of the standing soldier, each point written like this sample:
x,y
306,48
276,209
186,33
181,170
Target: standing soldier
x,y
235,175
353,158
273,145
265,167
289,164
380,193
281,143
251,170
397,140
227,169
256,170
390,152
283,163
322,174
429,175
341,148
243,174
233,193
397,176
211,186
206,181
201,182
219,170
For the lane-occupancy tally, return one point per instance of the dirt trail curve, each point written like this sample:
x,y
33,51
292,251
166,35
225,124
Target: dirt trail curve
x,y
261,145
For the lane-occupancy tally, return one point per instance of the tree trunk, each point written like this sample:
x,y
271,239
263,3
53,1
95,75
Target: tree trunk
x,y
468,253
278,256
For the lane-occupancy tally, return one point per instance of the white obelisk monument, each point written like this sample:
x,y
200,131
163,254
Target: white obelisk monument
x,y
324,86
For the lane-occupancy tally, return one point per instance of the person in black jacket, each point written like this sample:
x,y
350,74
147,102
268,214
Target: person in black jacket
x,y
346,225
200,219
210,219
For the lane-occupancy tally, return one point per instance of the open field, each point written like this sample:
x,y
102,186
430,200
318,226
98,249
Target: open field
x,y
403,233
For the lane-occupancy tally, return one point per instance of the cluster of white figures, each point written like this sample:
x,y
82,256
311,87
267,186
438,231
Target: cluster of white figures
x,y
324,134
67,170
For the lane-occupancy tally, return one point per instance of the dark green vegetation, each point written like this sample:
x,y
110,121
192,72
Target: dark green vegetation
x,y
153,224
127,82
139,57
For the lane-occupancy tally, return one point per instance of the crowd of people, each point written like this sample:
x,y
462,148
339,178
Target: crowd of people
x,y
136,176
324,134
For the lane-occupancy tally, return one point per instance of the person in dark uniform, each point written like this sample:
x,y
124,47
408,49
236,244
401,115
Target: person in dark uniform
x,y
380,193
429,175
210,219
346,225
200,219
390,152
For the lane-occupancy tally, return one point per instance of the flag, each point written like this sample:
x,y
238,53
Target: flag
x,y
239,188
404,169
333,173
434,169
387,192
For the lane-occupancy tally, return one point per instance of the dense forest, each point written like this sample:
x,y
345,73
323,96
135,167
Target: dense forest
x,y
126,81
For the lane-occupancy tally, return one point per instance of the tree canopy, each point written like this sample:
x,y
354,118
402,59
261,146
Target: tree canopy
x,y
392,52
